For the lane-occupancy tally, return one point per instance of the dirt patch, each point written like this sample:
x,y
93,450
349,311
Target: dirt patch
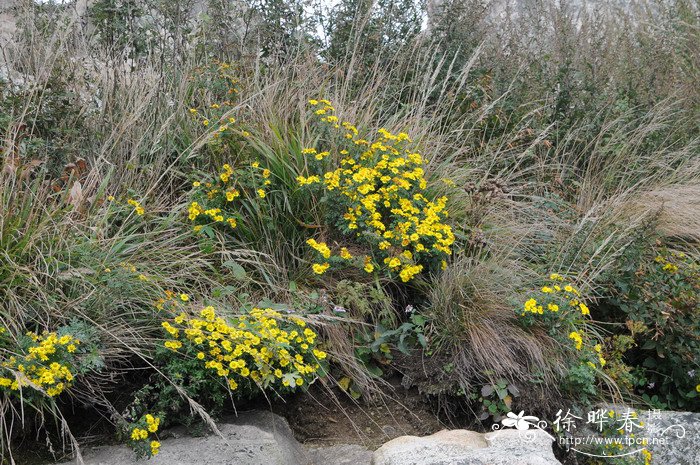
x,y
326,416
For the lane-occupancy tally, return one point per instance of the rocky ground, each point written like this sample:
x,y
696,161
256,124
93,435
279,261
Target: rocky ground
x,y
263,438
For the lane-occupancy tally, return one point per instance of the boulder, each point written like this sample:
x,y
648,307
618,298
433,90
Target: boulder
x,y
674,437
462,447
253,438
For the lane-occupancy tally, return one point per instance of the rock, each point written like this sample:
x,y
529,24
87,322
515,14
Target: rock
x,y
681,434
339,455
462,447
252,438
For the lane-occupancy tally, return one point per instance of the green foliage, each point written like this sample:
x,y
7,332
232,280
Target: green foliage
x,y
658,293
376,31
117,23
560,309
495,399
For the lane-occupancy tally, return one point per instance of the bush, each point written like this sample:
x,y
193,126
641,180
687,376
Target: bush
x,y
211,360
560,309
381,190
657,293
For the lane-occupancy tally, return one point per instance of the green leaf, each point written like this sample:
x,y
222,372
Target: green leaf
x,y
237,270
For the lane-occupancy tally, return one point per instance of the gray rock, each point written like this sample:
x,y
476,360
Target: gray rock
x,y
339,455
680,432
462,447
253,438
673,437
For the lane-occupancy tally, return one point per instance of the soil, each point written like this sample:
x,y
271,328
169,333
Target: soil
x,y
326,416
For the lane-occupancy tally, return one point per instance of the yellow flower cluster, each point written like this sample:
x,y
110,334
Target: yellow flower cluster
x,y
137,207
668,262
226,188
320,247
563,302
553,295
578,340
44,366
383,185
263,348
150,425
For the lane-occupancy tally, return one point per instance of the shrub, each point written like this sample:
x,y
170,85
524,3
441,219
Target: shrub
x,y
378,198
48,363
141,435
211,359
560,309
658,293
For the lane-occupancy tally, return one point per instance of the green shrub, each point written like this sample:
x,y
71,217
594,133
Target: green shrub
x,y
658,293
560,309
378,198
211,360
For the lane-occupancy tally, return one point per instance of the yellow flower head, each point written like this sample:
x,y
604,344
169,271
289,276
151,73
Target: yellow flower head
x,y
320,268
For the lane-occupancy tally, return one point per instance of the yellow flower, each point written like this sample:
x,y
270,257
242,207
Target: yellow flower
x,y
584,309
184,297
196,184
266,173
261,193
320,269
302,181
320,247
155,447
576,337
344,254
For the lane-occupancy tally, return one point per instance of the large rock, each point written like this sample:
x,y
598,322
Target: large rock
x,y
254,438
674,437
461,447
